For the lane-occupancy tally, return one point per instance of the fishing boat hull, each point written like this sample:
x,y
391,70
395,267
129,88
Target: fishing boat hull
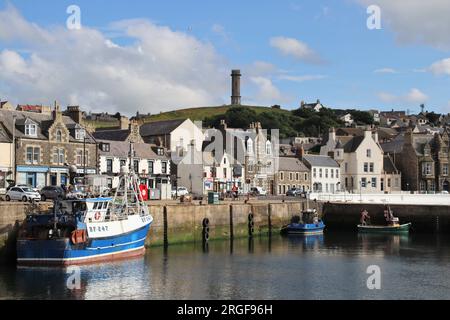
x,y
303,229
64,252
404,228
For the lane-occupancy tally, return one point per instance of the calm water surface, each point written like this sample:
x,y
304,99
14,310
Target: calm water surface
x,y
332,266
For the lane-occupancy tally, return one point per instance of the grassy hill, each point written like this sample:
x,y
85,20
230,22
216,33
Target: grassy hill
x,y
204,112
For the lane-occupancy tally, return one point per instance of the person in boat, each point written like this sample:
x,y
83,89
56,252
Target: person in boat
x,y
364,217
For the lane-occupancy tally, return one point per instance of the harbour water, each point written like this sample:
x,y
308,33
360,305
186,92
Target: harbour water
x,y
332,266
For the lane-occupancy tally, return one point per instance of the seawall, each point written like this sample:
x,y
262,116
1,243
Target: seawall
x,y
424,218
178,223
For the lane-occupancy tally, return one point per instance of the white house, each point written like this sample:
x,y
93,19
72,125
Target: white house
x,y
149,162
347,119
324,172
220,174
363,165
317,106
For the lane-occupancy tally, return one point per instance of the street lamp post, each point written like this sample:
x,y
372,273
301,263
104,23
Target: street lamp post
x,y
13,151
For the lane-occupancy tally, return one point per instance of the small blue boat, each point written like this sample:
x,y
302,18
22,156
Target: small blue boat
x,y
308,224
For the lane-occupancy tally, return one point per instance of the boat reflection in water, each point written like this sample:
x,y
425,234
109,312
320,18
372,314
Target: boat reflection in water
x,y
307,242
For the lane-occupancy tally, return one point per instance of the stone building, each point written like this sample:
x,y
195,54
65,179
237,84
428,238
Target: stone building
x,y
423,160
46,145
292,173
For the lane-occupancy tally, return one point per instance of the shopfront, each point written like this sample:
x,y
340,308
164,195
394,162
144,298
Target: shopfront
x,y
58,176
34,176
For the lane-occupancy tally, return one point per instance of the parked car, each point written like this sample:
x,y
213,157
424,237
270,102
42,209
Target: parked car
x,y
294,192
52,193
258,191
180,191
22,194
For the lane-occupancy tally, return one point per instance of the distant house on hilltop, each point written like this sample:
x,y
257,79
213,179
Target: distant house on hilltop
x,y
317,106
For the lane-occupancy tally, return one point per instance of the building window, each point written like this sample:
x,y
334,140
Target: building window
x,y
346,167
315,173
326,173
306,176
224,172
29,154
290,176
374,182
366,167
164,167
363,182
445,169
31,130
109,165
150,167
332,173
397,183
371,167
426,168
297,176
136,166
59,156
105,147
58,135
320,173
123,163
432,186
423,186
337,173
369,153
80,134
33,155
79,158
268,148
389,182
281,176
224,160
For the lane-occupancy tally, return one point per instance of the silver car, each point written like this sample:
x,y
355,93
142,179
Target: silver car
x,y
22,194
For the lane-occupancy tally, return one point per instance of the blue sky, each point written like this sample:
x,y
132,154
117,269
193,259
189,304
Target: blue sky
x,y
353,67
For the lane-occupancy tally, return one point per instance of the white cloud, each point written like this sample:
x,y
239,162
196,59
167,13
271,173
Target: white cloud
x,y
267,91
302,78
386,70
416,21
157,70
441,67
413,96
295,48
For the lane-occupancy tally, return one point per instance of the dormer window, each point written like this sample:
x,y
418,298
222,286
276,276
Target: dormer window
x,y
80,134
31,129
160,151
105,147
58,136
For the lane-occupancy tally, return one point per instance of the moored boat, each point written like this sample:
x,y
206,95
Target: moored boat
x,y
308,224
88,230
392,224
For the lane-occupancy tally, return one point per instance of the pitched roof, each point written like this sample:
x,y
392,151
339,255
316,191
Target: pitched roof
x,y
122,148
320,161
291,164
160,127
115,135
388,165
43,120
352,144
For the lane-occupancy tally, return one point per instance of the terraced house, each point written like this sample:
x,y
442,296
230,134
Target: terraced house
x,y
46,145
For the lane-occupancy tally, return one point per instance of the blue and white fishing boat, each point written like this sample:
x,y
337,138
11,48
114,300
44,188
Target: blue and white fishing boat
x,y
308,224
88,230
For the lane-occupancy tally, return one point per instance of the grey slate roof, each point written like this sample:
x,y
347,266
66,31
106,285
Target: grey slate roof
x,y
121,148
388,165
352,144
320,161
43,120
115,135
160,127
291,164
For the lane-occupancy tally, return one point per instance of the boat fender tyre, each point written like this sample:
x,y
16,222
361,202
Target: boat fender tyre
x,y
250,217
24,199
206,236
205,222
206,230
8,198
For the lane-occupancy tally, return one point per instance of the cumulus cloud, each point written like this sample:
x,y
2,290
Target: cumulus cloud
x,y
413,96
416,21
441,67
302,78
296,49
386,70
157,70
267,91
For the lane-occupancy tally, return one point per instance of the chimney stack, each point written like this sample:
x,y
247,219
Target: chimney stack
x,y
236,87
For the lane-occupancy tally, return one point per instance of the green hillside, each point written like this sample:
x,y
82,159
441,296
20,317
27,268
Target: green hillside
x,y
204,112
